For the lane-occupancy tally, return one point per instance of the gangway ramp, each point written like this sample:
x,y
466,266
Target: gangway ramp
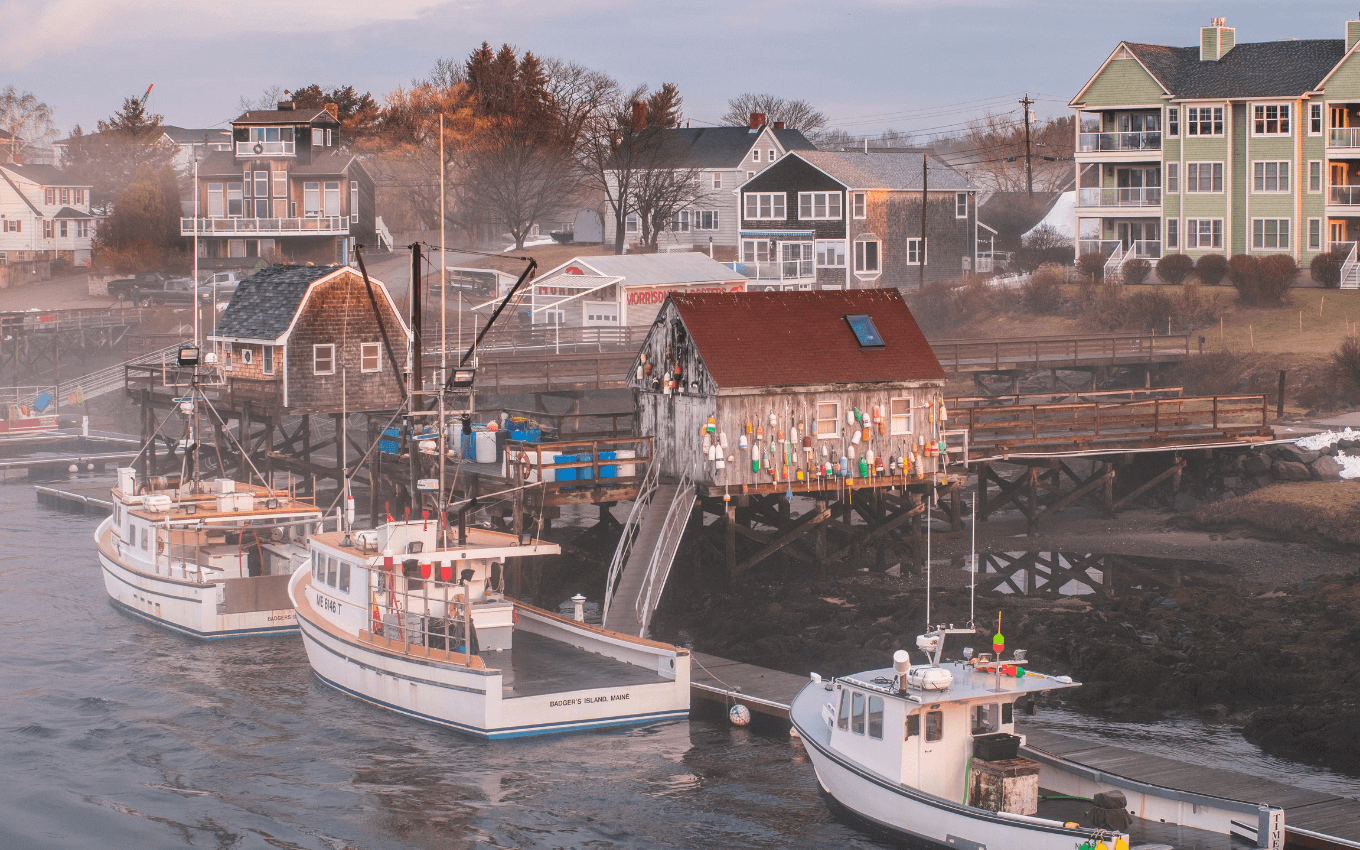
x,y
642,562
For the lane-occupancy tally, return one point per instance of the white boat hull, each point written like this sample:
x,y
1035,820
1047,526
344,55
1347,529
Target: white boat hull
x,y
181,606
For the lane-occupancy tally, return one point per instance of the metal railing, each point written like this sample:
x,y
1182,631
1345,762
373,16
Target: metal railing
x,y
416,611
777,269
1343,195
1350,269
1055,352
1344,137
550,339
1144,249
1113,264
266,226
266,148
1148,140
1097,246
562,426
606,463
631,528
663,556
1147,196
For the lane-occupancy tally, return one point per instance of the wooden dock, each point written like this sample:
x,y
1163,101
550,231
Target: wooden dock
x,y
84,496
763,691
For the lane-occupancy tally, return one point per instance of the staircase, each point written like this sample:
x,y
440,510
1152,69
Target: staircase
x,y
384,235
1114,266
1350,269
642,562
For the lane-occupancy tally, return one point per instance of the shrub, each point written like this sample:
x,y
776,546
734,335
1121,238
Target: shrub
x,y
1191,309
1211,269
1276,277
1092,265
1044,244
1347,360
1150,309
1326,269
1136,271
1243,272
1043,290
1174,268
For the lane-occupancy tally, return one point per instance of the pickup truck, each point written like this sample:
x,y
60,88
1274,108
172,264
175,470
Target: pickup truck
x,y
129,288
175,290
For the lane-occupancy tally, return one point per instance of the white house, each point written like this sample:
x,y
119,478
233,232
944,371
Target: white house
x,y
43,215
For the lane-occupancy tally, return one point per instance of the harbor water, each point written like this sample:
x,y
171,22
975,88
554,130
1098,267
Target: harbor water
x,y
116,733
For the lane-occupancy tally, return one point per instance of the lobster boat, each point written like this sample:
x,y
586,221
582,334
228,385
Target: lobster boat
x,y
209,559
930,753
411,617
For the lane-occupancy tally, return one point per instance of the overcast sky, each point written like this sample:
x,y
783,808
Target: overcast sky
x,y
919,65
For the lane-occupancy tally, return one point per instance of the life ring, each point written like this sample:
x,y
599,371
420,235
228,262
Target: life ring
x,y
525,464
259,148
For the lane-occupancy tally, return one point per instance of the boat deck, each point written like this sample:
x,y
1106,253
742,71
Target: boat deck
x,y
1143,831
540,665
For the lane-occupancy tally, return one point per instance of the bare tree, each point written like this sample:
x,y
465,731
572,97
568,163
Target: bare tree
x,y
27,120
993,152
664,187
796,114
269,99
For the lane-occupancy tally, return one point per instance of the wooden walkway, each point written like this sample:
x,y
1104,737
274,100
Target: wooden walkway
x,y
1058,352
1311,819
763,691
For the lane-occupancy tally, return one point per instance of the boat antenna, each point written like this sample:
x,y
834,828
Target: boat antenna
x,y
347,508
972,584
929,506
440,501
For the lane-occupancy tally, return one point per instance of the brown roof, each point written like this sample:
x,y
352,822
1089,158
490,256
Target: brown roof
x,y
778,339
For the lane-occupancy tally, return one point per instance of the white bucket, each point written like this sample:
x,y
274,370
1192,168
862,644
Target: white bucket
x,y
486,447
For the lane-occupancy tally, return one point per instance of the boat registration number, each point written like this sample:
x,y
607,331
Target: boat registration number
x,y
327,604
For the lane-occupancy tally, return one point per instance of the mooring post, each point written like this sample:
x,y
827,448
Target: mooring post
x,y
918,555
730,535
1033,514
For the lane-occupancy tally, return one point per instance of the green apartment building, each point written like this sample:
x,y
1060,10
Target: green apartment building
x,y
1221,148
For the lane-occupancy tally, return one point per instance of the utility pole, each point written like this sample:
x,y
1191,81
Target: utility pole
x,y
925,186
1026,103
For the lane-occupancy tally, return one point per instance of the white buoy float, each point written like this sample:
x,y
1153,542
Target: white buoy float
x,y
739,714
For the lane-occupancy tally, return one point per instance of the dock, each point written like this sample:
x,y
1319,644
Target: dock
x,y
81,496
1313,819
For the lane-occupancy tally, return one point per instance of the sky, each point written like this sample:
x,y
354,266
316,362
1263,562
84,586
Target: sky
x,y
922,66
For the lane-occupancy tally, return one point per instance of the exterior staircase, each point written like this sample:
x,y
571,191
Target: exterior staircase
x,y
1350,269
642,562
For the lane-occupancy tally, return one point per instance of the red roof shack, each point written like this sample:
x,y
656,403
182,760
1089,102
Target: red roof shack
x,y
791,381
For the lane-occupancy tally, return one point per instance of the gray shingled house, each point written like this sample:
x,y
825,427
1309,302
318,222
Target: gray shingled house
x,y
309,338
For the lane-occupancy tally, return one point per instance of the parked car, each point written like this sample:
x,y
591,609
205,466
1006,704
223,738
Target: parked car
x,y
128,288
223,283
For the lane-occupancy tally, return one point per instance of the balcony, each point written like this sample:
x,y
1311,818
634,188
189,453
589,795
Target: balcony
x,y
1343,196
1344,137
1139,197
1144,249
785,270
1150,140
281,148
319,226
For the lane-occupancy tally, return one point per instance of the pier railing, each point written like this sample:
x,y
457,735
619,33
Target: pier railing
x,y
579,465
1055,352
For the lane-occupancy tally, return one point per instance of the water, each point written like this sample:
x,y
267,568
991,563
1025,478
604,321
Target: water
x,y
114,733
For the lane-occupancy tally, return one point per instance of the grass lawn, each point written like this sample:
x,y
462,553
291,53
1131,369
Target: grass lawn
x,y
1324,510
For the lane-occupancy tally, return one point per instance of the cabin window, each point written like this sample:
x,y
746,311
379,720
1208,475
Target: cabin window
x,y
344,577
247,356
268,360
323,359
415,547
986,719
144,546
330,571
315,559
370,357
843,719
857,713
913,726
876,717
899,416
1007,713
934,726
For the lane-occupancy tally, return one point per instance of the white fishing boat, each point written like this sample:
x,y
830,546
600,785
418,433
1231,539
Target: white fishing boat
x,y
207,559
929,752
386,615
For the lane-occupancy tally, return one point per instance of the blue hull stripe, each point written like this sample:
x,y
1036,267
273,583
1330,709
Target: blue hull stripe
x,y
195,633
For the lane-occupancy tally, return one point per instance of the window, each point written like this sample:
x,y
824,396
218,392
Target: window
x,y
630,224
1315,234
318,137
248,182
1204,121
215,207
915,252
1007,713
819,205
750,174
830,254
316,566
228,361
1172,233
247,356
857,712
913,726
755,155
858,205
843,718
986,718
47,230
234,200
705,219
144,540
934,726
961,205
1204,233
370,357
876,717
311,199
236,248
332,198
344,577
717,180
1173,177
353,201
262,208
79,195
270,140
1271,119
330,572
866,256
61,228
766,205
1315,119
50,197
262,184
1173,120
828,419
1270,233
680,221
267,360
1204,177
280,179
1270,176
82,229
65,196
769,155
863,326
1315,176
323,359
14,225
899,416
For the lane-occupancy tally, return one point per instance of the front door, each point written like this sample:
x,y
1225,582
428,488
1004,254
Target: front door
x,y
797,259
1336,231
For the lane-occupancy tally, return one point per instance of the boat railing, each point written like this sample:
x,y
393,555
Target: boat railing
x,y
646,490
419,613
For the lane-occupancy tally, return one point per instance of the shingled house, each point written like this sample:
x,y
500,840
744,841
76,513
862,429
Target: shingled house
x,y
309,338
834,373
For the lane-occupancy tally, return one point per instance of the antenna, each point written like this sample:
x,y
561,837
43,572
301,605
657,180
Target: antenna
x,y
928,507
972,584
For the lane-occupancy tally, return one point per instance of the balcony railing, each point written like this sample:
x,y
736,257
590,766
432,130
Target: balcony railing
x,y
780,270
266,226
1344,137
1345,196
1097,246
1140,197
266,148
1100,142
1146,249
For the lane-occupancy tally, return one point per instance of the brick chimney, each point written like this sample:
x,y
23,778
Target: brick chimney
x,y
639,115
757,120
779,125
285,106
333,109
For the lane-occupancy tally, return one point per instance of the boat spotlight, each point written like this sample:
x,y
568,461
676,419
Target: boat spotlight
x,y
187,356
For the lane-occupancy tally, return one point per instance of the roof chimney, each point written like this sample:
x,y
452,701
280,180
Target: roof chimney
x,y
757,120
1216,40
639,115
285,106
779,125
1352,34
333,109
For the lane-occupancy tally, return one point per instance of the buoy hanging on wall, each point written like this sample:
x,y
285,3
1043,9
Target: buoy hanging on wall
x,y
741,442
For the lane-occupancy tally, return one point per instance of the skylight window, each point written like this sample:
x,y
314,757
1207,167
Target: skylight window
x,y
864,329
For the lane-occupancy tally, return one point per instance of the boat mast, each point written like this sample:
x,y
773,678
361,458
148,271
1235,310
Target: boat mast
x,y
440,502
193,383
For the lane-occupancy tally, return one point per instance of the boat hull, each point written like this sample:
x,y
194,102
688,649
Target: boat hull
x,y
184,607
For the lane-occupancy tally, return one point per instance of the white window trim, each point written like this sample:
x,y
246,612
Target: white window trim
x,y
960,196
773,216
1188,123
1172,121
316,350
1172,179
697,220
769,155
813,204
1171,240
228,361
267,360
859,205
1321,233
1251,118
817,253
1322,177
893,430
833,433
364,348
755,154
717,180
1263,163
1322,117
923,250
247,356
1187,185
1198,247
1289,242
867,272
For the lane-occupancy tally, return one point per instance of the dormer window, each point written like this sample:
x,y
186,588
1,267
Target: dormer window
x,y
318,137
267,141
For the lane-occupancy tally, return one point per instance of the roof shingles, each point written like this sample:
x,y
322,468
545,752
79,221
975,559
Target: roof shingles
x,y
1255,69
265,303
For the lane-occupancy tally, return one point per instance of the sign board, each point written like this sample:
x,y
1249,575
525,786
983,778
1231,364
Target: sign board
x,y
427,484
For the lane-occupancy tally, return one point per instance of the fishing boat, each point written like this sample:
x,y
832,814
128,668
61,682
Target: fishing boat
x,y
209,559
930,752
20,420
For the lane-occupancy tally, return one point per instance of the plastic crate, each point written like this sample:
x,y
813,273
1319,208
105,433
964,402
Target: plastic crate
x,y
998,746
